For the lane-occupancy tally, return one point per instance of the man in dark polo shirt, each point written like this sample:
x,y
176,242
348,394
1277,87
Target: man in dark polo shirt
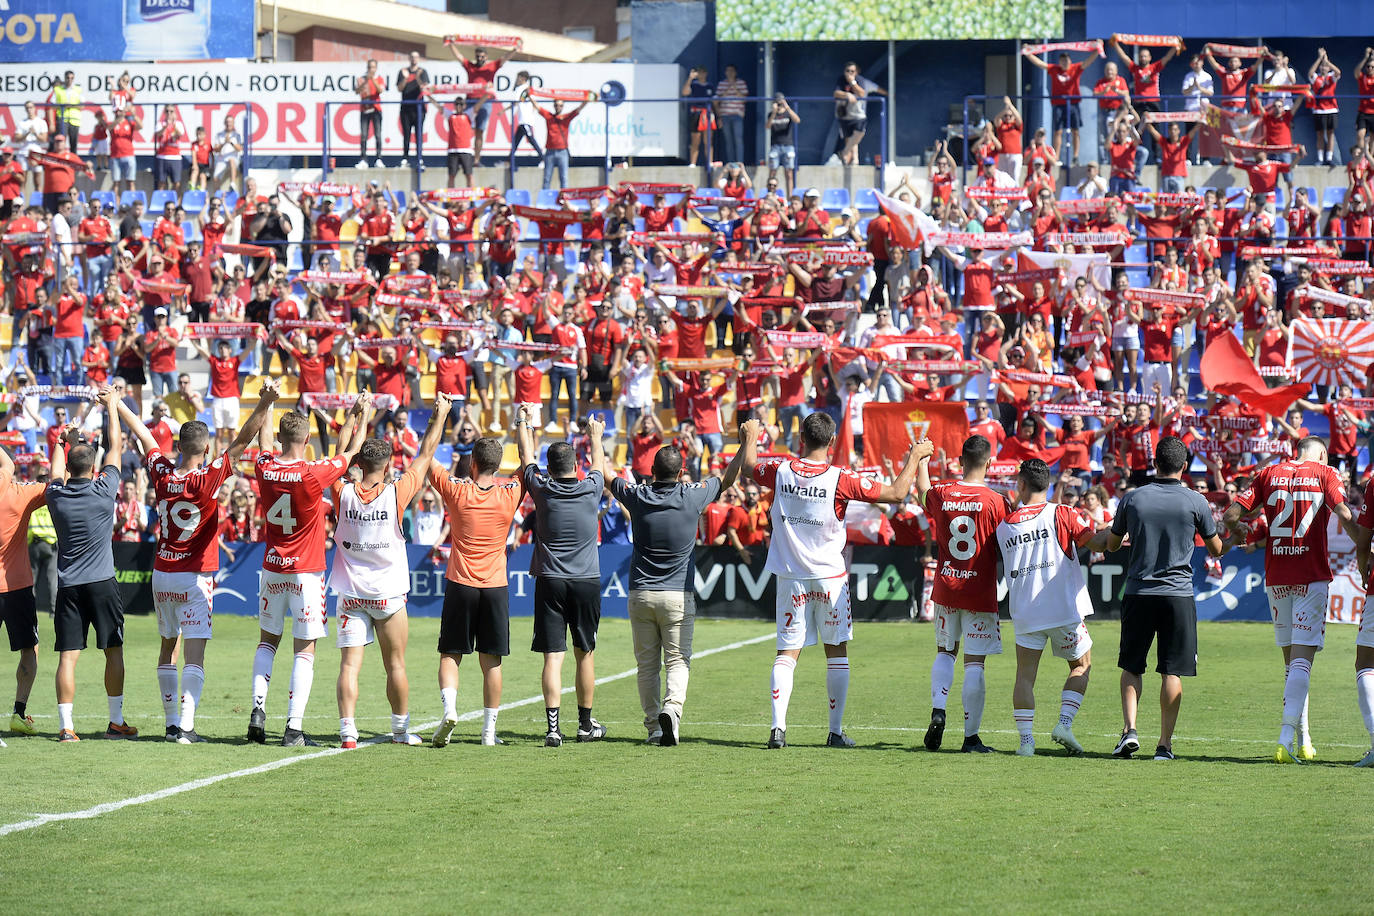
x,y
82,504
663,518
1162,518
567,574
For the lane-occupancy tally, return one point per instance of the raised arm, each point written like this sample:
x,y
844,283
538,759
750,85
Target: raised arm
x,y
146,442
746,454
257,420
355,427
898,489
110,397
443,404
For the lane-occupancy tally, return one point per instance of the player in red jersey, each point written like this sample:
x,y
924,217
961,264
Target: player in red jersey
x,y
188,552
1297,497
964,516
292,579
1364,641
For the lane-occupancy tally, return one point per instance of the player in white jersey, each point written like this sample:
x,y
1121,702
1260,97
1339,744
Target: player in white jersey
x,y
188,551
807,555
1364,640
372,576
1047,597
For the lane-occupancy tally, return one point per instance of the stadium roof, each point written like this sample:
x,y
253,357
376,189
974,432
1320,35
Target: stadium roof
x,y
412,23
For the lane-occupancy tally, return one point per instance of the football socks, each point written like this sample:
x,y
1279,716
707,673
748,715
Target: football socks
x,y
973,695
783,670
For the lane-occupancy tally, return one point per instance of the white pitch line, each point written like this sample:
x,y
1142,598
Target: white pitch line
x,y
108,807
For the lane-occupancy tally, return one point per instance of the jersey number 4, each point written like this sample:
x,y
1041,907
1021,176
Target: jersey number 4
x,y
1281,526
280,514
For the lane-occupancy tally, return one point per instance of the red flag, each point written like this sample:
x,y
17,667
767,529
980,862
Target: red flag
x,y
908,222
891,429
842,452
1331,351
1227,370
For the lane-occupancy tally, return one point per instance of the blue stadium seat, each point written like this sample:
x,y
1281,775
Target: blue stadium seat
x,y
231,200
193,201
574,231
530,232
1312,197
147,225
833,199
866,200
444,454
400,200
105,197
518,197
36,199
570,258
128,197
1280,198
863,226
1331,196
191,231
1069,192
548,197
1280,228
639,224
161,199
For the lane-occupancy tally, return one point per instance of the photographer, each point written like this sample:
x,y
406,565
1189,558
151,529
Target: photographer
x,y
701,120
782,141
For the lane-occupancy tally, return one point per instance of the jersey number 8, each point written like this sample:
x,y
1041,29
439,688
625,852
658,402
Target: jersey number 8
x,y
961,532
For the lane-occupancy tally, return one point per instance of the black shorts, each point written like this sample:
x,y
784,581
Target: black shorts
x,y
850,127
1364,122
79,607
565,604
475,620
1066,114
1172,620
20,616
460,162
1325,121
134,375
168,170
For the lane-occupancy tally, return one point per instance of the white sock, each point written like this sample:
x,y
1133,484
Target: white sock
x,y
1294,696
302,676
837,685
1025,720
400,724
348,727
449,695
489,720
1364,690
262,673
973,695
167,683
64,717
941,679
783,669
117,709
1302,734
192,683
1069,701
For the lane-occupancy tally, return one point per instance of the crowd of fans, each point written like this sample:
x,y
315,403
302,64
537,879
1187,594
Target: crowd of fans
x,y
678,312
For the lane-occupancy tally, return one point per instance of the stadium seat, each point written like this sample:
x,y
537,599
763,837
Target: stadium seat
x,y
866,199
1331,196
574,231
570,258
548,197
36,199
193,201
443,454
105,197
128,197
518,197
639,224
400,200
295,262
191,231
231,200
161,199
1069,192
1312,197
147,225
1280,198
863,226
531,231
835,199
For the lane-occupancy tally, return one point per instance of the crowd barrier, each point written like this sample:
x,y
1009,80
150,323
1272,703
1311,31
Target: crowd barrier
x,y
886,583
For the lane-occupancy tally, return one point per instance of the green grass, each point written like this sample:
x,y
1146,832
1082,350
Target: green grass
x,y
717,823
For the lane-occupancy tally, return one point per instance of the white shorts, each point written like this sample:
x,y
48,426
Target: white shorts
x,y
536,415
1299,614
299,594
100,147
1070,642
222,163
224,413
357,614
980,631
812,610
1366,635
182,601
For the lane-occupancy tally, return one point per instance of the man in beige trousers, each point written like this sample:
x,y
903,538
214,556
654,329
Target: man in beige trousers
x,y
663,521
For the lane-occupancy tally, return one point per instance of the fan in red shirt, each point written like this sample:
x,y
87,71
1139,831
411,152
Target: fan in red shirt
x,y
1264,175
59,172
481,72
1233,78
292,579
964,516
1064,90
187,505
1297,497
375,233
556,139
658,217
1364,82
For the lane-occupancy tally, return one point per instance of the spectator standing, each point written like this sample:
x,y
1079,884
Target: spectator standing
x,y
18,502
66,100
369,88
782,141
566,570
82,502
731,93
1162,518
481,72
851,110
167,151
413,82
59,175
122,161
556,140
1064,79
1323,76
700,119
30,136
228,150
521,116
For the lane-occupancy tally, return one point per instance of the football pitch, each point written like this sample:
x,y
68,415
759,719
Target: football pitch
x,y
717,823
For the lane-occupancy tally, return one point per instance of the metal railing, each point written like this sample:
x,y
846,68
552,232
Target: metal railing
x,y
334,113
212,115
1038,110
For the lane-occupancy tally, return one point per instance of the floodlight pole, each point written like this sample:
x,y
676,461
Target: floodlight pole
x,y
890,154
767,96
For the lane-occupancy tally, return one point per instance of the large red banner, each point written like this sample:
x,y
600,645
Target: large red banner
x,y
1332,351
890,429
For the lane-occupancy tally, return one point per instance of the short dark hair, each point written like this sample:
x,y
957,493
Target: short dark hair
x,y
374,455
194,437
1307,442
80,460
1171,455
562,460
667,463
817,430
976,452
486,456
1036,475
